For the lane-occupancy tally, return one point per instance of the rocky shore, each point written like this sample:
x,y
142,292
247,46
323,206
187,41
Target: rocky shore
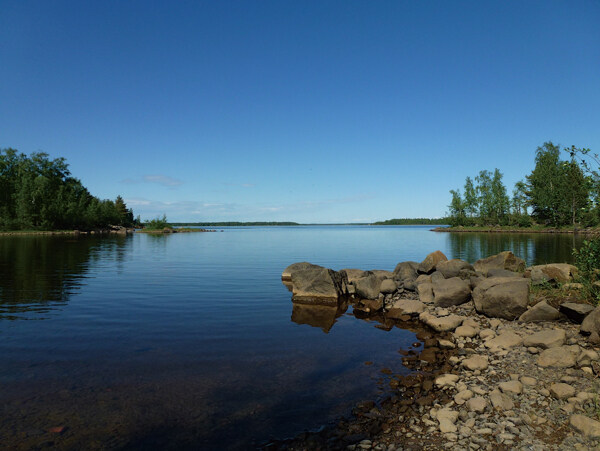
x,y
460,229
498,365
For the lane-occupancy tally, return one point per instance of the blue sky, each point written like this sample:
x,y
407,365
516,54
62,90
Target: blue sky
x,y
308,111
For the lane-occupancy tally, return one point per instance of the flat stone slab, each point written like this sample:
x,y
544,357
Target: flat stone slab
x,y
441,324
511,387
562,391
405,307
585,426
560,357
540,312
505,340
477,362
546,339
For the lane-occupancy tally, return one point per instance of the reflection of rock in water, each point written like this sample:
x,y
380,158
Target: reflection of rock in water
x,y
317,315
38,273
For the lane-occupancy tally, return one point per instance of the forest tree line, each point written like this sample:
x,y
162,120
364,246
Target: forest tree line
x,y
39,193
557,193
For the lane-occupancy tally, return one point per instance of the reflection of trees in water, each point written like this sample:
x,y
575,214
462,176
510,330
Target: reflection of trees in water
x,y
38,273
534,248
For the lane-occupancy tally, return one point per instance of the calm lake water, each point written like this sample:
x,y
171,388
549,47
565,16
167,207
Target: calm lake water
x,y
190,340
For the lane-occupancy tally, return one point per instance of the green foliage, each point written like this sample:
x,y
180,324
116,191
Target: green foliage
x,y
37,193
157,223
456,212
486,204
559,193
587,260
558,190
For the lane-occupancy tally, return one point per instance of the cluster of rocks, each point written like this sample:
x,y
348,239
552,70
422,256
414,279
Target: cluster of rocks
x,y
505,374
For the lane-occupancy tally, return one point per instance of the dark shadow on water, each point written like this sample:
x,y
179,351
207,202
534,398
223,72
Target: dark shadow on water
x,y
39,273
321,316
534,248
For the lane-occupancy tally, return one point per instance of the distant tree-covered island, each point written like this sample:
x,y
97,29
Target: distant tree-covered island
x,y
40,194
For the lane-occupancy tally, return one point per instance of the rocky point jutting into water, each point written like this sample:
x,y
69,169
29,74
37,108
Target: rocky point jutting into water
x,y
501,368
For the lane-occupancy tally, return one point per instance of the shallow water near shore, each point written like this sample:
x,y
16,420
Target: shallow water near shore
x,y
190,340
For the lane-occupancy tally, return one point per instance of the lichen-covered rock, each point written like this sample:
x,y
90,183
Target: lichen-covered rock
x,y
504,260
502,297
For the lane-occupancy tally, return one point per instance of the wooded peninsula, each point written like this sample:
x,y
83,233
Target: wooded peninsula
x,y
40,194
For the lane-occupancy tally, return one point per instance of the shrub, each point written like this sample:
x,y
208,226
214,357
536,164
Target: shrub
x,y
157,223
587,260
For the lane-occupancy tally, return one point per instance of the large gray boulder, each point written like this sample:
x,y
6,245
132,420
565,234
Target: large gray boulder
x,y
552,272
316,285
425,291
406,271
286,275
354,274
498,272
504,260
368,287
453,291
453,268
382,274
502,297
388,286
428,265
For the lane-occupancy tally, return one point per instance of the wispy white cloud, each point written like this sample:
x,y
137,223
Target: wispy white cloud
x,y
219,211
162,179
159,179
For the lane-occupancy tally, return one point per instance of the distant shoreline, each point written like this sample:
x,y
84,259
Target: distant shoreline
x,y
548,230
